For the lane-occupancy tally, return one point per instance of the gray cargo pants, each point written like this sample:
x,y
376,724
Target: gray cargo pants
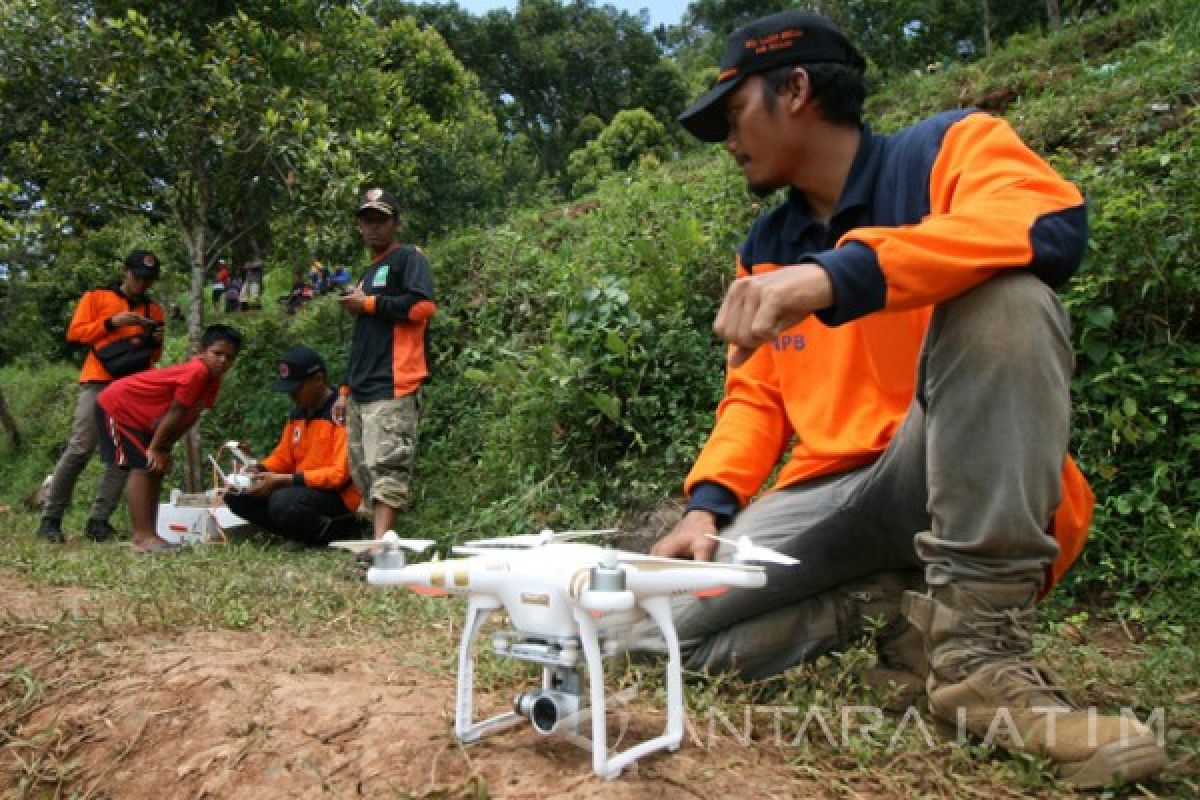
x,y
80,446
966,489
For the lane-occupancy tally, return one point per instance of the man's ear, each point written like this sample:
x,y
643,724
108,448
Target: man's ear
x,y
798,88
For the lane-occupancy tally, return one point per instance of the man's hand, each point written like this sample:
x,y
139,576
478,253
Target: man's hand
x,y
353,301
758,308
689,539
339,410
127,318
267,482
158,461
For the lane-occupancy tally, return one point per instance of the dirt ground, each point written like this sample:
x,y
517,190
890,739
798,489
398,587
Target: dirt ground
x,y
226,714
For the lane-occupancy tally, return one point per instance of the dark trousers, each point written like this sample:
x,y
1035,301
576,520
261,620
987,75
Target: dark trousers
x,y
310,516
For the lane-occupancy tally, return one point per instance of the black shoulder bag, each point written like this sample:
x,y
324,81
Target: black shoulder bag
x,y
128,355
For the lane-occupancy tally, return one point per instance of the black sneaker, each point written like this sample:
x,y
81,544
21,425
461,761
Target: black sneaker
x,y
98,530
50,529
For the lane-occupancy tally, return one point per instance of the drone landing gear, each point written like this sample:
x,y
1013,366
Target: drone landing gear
x,y
659,609
559,700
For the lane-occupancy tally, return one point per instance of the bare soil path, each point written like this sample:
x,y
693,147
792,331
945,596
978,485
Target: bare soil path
x,y
228,714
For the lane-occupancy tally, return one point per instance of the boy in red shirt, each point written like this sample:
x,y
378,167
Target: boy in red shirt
x,y
142,416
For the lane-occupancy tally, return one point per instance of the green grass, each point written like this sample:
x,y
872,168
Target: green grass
x,y
261,586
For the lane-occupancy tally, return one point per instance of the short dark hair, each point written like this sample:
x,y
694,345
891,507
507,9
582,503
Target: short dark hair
x,y
838,88
221,333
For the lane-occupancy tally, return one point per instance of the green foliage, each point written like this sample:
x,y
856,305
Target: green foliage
x,y
547,65
631,136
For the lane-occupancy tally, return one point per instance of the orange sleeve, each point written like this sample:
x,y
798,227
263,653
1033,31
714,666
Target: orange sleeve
x,y
988,194
280,460
751,429
87,323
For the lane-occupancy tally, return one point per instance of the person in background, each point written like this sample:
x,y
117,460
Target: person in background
x,y
142,416
380,399
233,293
302,490
220,281
340,277
118,316
252,288
897,345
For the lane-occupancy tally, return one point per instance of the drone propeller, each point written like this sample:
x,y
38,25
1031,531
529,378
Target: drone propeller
x,y
746,550
389,540
543,537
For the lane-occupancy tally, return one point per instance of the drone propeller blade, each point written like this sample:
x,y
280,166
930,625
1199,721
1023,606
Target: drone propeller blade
x,y
535,539
746,550
358,545
389,538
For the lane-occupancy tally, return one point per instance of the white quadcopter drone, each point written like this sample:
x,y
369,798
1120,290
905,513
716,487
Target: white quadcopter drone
x,y
567,601
238,479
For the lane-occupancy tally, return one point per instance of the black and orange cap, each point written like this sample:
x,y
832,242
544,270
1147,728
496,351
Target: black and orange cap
x,y
789,37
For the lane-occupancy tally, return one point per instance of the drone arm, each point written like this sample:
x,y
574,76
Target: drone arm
x,y
433,577
646,583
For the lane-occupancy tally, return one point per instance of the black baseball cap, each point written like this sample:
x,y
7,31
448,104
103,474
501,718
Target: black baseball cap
x,y
297,365
143,264
378,200
789,37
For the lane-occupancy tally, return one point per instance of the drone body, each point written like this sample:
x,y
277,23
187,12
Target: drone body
x,y
571,605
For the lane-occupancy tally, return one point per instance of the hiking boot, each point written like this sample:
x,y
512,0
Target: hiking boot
x,y
50,529
99,530
978,635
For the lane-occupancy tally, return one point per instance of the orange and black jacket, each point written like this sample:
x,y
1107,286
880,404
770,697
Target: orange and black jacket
x,y
387,355
92,325
926,214
313,450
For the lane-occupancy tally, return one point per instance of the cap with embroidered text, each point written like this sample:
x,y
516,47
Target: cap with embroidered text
x,y
378,200
789,37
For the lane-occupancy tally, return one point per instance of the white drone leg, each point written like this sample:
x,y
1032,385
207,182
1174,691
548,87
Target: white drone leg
x,y
478,609
589,639
659,609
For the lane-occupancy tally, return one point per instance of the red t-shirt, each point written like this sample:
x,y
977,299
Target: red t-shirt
x,y
141,400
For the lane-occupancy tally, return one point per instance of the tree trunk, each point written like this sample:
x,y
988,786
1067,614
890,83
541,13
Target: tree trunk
x,y
1054,15
987,29
193,474
10,424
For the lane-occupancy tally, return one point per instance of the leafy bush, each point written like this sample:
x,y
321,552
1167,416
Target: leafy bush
x,y
631,136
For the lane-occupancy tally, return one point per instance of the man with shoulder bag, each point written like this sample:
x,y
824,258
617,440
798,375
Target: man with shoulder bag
x,y
123,329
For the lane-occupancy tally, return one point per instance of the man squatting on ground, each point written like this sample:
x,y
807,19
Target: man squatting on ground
x,y
302,491
116,317
380,399
142,416
895,322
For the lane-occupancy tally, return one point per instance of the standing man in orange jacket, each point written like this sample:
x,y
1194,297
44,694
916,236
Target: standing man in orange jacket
x,y
122,320
303,490
896,341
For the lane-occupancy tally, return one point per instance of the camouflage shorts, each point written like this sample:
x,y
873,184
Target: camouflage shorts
x,y
383,444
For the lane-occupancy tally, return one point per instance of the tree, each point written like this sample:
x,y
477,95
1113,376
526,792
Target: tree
x,y
548,65
217,133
